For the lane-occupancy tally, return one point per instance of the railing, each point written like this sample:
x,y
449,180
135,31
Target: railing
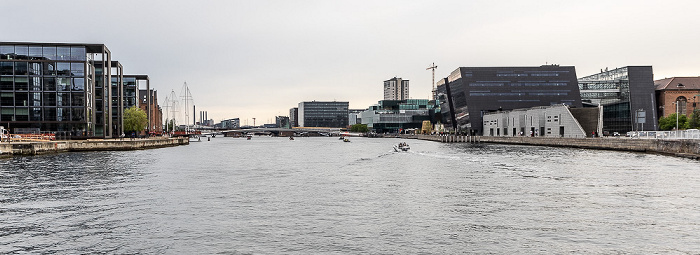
x,y
679,134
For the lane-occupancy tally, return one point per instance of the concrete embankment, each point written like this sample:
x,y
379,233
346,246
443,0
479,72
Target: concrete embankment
x,y
34,148
689,148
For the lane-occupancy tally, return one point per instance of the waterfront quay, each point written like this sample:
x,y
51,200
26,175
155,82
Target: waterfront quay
x,y
688,148
34,148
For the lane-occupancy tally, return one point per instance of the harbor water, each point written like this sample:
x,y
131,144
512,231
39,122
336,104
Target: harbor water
x,y
320,195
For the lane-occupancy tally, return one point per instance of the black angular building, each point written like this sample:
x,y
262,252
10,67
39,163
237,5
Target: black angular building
x,y
469,92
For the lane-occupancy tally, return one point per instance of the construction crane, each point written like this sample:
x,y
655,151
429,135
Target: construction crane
x,y
433,67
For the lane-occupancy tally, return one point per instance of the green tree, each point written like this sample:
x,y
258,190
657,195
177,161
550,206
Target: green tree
x,y
669,123
694,121
362,128
135,119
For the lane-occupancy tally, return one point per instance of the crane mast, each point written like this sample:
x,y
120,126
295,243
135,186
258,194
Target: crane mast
x,y
433,67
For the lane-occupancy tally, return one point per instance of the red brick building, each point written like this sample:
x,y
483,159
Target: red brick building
x,y
683,90
156,122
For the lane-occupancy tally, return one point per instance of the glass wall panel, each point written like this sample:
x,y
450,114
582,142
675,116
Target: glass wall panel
x,y
49,68
6,68
7,51
35,52
49,99
21,83
62,53
62,114
35,83
22,51
63,69
7,99
7,114
35,114
35,99
78,84
50,114
35,68
50,84
6,83
78,114
78,99
21,114
78,53
63,99
49,53
77,69
21,99
21,68
63,84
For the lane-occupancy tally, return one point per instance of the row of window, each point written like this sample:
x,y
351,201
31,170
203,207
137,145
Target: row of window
x,y
42,99
42,53
518,84
20,83
42,68
481,94
42,114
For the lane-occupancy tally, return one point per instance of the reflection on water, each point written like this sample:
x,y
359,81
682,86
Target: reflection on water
x,y
320,195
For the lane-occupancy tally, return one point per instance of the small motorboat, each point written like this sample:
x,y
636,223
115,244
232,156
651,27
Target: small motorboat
x,y
291,138
346,140
401,147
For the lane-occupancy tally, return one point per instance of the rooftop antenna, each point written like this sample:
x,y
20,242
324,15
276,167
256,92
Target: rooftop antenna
x,y
433,67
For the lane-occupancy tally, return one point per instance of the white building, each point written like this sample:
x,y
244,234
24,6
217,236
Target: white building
x,y
395,89
547,121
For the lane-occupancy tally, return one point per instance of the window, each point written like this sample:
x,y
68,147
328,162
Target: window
x,y
63,99
78,53
21,68
6,83
63,53
50,84
6,68
49,53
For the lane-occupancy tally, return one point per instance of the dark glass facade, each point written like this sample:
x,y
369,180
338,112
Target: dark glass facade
x,y
469,92
50,87
323,114
623,92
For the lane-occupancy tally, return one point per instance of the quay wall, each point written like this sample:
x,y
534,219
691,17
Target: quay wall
x,y
689,148
34,148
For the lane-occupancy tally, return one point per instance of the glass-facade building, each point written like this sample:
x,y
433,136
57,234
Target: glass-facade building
x,y
392,116
323,114
470,92
53,87
627,95
68,89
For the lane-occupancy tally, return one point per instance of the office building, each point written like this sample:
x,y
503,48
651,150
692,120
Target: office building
x,y
470,92
627,95
394,116
282,121
396,89
323,114
677,94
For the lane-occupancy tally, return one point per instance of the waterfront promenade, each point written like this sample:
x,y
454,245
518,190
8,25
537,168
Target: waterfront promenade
x,y
689,148
34,148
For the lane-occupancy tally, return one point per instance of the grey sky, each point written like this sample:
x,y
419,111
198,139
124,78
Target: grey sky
x,y
257,59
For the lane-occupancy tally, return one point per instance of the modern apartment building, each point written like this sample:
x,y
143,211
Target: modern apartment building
x,y
294,117
55,87
470,92
396,89
70,89
323,114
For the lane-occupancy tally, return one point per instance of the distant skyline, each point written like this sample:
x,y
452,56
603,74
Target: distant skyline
x,y
258,59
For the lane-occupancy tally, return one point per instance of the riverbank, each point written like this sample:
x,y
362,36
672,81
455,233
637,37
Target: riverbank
x,y
34,148
687,148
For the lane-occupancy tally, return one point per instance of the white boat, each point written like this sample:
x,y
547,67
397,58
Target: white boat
x,y
401,147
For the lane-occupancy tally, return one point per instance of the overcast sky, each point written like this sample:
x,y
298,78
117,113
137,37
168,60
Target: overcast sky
x,y
257,59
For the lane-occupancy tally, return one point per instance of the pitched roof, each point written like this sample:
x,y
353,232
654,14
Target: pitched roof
x,y
680,83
